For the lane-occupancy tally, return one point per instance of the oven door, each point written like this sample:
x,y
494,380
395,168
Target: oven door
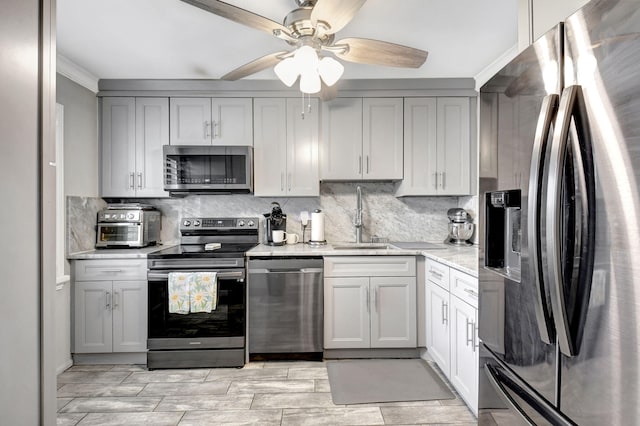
x,y
223,328
119,234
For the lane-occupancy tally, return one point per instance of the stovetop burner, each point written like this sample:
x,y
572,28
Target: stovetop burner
x,y
235,236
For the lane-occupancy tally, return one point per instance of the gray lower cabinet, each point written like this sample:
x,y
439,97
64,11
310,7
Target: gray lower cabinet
x,y
451,325
110,306
370,302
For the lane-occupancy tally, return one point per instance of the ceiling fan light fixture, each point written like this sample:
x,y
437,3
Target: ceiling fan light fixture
x,y
287,71
330,70
310,82
307,59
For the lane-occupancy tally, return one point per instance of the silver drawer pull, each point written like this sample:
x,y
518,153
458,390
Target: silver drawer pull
x,y
110,270
436,273
471,293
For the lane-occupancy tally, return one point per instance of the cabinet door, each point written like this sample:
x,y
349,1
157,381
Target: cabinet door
x,y
129,316
118,147
190,120
420,147
346,313
232,121
437,306
152,131
382,138
302,149
464,356
92,317
341,146
454,147
393,312
270,147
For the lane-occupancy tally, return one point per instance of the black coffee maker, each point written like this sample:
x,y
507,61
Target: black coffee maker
x,y
274,221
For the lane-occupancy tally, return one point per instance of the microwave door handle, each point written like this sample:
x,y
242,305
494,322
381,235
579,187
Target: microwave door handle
x,y
569,330
536,182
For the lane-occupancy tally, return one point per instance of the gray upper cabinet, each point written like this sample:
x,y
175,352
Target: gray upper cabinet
x,y
133,132
211,121
362,139
285,148
437,147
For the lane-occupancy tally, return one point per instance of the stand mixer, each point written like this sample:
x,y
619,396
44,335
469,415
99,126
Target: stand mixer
x,y
460,227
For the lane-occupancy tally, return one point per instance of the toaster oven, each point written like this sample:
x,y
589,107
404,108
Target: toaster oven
x,y
126,225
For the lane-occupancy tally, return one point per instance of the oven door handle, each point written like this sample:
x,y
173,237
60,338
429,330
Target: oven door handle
x,y
163,276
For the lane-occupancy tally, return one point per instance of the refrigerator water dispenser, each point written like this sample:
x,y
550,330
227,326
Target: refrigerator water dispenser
x,y
503,233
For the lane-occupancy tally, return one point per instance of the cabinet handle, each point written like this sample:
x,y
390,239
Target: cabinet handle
x,y
375,299
207,133
367,164
115,300
281,181
368,302
469,339
436,273
443,180
216,129
444,313
110,270
471,292
108,300
435,180
139,180
132,180
289,181
360,164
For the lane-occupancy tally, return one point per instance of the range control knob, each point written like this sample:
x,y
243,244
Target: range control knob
x,y
251,223
186,223
131,216
196,223
241,223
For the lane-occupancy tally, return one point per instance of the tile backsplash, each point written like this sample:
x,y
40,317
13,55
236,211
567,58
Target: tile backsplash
x,y
398,219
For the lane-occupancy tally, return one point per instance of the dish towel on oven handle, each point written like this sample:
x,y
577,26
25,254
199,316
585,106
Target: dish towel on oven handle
x,y
203,291
178,283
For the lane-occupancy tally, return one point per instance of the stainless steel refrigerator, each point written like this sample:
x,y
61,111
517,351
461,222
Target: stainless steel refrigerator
x,y
560,210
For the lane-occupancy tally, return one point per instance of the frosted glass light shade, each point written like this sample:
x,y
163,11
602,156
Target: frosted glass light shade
x,y
330,70
287,71
310,82
307,59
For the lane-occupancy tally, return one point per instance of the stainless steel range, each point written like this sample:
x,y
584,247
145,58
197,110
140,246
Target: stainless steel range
x,y
200,339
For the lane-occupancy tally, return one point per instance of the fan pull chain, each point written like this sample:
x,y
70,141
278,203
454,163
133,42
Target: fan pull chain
x,y
302,112
309,106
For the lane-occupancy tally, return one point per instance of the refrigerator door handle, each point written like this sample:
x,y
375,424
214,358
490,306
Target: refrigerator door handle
x,y
570,326
501,379
536,174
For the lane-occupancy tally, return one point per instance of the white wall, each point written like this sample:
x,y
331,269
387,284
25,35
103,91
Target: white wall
x,y
80,138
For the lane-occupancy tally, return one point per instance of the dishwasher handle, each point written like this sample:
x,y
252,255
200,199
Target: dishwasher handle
x,y
285,270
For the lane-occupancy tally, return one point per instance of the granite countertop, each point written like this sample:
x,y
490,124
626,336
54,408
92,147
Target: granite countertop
x,y
464,259
111,253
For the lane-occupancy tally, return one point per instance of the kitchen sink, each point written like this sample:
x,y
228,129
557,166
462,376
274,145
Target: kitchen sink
x,y
364,246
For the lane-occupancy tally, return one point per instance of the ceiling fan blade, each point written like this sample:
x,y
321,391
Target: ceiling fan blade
x,y
328,93
254,66
376,52
335,13
238,15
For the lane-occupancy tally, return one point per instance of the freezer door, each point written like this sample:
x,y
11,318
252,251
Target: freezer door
x,y
601,382
519,94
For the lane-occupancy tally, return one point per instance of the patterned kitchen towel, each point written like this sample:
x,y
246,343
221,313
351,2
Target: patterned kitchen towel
x,y
179,292
203,291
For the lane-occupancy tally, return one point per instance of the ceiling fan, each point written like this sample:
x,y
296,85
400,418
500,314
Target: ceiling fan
x,y
310,30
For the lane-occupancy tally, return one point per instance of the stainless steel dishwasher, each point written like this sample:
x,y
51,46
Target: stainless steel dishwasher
x,y
285,306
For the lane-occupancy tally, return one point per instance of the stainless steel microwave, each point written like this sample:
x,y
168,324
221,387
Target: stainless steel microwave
x,y
204,168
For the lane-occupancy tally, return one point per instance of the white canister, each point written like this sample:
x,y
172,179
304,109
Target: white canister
x,y
317,226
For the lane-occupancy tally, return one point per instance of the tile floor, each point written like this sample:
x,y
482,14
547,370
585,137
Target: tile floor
x,y
264,393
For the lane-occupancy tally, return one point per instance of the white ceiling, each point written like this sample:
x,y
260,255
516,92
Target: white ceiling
x,y
165,39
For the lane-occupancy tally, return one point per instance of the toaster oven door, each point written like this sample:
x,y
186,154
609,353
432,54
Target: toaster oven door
x,y
119,235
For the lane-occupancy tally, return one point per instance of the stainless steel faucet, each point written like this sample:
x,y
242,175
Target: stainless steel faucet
x,y
358,219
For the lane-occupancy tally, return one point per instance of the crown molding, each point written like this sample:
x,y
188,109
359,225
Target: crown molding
x,y
76,73
490,70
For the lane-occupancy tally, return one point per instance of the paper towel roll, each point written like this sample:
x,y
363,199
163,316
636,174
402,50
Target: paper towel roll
x,y
317,226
